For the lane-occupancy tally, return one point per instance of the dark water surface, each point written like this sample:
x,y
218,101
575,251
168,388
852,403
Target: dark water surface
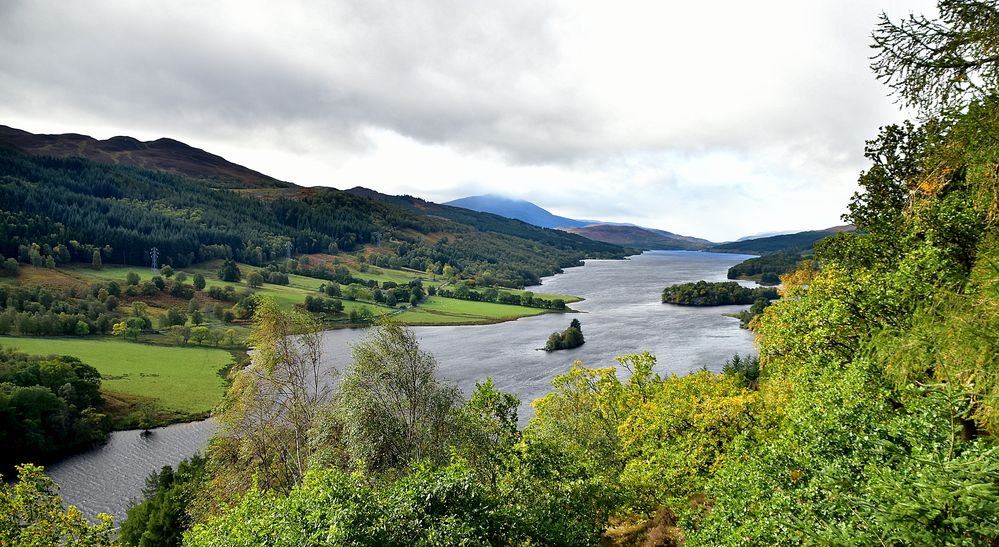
x,y
106,479
622,314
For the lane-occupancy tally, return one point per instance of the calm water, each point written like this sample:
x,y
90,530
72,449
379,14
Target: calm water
x,y
106,479
621,315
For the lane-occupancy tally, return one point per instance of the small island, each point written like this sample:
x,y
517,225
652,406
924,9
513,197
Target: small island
x,y
703,293
571,337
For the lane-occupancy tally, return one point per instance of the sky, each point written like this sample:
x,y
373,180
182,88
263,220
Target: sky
x,y
713,119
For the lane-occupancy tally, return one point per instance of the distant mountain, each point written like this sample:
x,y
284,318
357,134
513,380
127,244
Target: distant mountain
x,y
490,222
629,235
160,155
793,243
634,236
761,235
765,234
518,209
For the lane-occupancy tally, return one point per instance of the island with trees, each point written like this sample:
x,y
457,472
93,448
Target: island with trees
x,y
571,337
703,293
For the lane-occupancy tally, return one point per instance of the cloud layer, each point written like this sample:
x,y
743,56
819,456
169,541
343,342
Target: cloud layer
x,y
715,119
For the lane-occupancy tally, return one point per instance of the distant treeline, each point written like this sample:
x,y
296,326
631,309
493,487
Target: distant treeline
x,y
769,267
492,294
723,293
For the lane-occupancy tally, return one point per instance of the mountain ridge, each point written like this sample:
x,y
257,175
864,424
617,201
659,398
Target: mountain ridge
x,y
617,233
163,154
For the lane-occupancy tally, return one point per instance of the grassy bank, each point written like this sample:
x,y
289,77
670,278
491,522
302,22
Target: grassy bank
x,y
143,381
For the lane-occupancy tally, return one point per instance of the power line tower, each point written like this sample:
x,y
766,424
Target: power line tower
x,y
154,254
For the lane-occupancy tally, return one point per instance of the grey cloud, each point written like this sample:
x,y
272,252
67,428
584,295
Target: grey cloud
x,y
462,73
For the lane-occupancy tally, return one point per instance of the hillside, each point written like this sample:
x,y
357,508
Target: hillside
x,y
797,242
633,236
489,222
124,211
160,155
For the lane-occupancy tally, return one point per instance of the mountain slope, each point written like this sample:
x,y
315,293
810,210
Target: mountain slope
x,y
160,155
609,232
797,242
633,236
492,222
67,208
516,208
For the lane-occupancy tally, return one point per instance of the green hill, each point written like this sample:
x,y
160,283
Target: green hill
x,y
69,207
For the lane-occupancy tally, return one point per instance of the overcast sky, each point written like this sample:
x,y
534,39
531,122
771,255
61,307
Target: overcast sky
x,y
713,119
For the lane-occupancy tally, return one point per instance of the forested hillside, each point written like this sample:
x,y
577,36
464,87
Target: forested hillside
x,y
69,207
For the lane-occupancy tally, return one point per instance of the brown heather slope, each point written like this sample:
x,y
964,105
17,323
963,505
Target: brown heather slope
x,y
633,236
159,155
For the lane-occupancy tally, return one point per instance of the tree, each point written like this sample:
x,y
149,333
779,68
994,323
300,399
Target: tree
x,y
162,517
95,261
230,271
269,414
489,430
31,513
199,282
571,337
172,317
11,268
197,318
255,279
199,334
940,64
132,278
82,328
166,271
391,407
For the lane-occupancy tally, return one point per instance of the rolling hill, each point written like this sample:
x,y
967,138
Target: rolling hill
x,y
634,236
164,154
67,207
797,242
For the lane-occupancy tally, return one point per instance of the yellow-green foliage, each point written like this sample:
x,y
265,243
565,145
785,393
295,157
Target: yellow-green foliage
x,y
677,438
31,514
657,439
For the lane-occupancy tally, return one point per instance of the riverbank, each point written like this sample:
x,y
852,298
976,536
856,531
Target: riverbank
x,y
145,385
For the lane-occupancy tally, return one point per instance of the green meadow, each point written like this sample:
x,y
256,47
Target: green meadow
x,y
182,380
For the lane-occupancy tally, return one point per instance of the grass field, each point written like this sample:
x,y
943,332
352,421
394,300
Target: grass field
x,y
449,311
435,311
182,380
